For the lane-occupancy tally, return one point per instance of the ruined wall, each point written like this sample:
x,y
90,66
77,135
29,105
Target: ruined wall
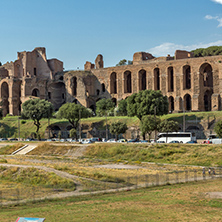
x,y
172,76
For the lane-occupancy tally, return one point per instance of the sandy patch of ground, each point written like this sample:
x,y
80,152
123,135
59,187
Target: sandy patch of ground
x,y
118,166
217,195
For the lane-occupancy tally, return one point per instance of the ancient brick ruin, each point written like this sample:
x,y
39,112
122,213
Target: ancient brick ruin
x,y
191,84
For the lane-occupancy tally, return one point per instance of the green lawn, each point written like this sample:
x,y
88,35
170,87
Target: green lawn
x,y
183,202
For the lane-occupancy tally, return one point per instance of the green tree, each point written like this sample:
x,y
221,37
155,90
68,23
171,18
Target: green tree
x,y
144,103
36,109
210,51
148,124
73,113
117,128
105,107
73,133
124,62
122,107
218,128
167,126
2,131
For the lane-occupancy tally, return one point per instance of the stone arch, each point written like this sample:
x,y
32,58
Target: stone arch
x,y
187,102
4,97
74,86
170,75
142,79
113,83
35,92
93,108
171,103
207,100
186,77
69,127
127,82
114,101
206,73
103,87
156,73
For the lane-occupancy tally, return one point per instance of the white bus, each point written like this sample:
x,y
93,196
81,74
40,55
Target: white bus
x,y
181,137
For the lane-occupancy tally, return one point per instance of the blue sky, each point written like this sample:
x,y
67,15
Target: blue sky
x,y
77,31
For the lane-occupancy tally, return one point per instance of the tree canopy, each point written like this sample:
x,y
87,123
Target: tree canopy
x,y
36,109
144,103
105,107
122,108
168,126
124,62
73,113
210,51
218,129
118,127
148,124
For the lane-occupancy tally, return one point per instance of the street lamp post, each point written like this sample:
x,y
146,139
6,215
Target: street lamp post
x,y
79,125
106,128
155,122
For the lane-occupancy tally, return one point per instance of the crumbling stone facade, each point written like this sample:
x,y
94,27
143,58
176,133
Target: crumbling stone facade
x,y
191,84
31,75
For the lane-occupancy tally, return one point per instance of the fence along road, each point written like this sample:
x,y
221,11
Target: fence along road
x,y
136,182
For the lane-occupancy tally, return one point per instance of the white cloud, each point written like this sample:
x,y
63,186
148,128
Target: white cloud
x,y
170,48
209,17
217,1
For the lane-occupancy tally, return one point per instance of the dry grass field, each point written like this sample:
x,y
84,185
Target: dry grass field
x,y
101,167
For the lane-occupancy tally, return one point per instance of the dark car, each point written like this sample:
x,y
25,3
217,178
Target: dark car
x,y
192,142
134,140
174,141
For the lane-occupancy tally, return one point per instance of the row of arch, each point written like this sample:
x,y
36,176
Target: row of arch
x,y
186,103
205,73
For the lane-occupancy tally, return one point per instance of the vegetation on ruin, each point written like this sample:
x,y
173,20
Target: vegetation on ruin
x,y
11,124
147,102
105,107
210,51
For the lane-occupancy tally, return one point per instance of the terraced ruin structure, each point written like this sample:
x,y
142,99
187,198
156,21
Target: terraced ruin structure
x,y
191,84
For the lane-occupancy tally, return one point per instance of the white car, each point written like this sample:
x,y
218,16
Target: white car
x,y
111,141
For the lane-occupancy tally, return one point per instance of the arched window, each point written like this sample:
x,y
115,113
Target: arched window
x,y
171,104
170,79
207,100
127,82
186,77
4,97
35,92
103,87
142,79
206,75
74,86
113,86
156,79
187,102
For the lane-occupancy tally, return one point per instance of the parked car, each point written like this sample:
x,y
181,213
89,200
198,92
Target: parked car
x,y
160,141
144,141
95,139
121,141
192,142
174,141
134,140
111,141
87,141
